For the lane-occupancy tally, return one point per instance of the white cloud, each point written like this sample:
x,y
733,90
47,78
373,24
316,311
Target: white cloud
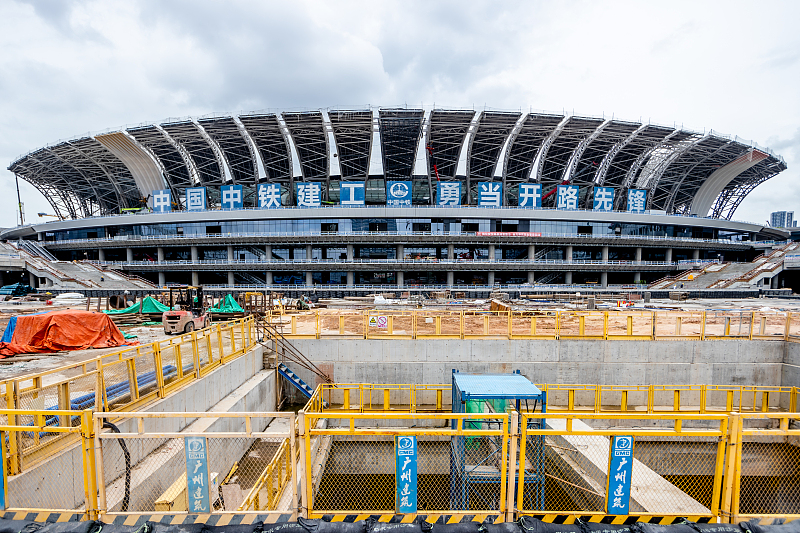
x,y
73,67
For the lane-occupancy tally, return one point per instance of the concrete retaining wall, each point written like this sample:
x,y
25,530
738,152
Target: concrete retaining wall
x,y
727,362
790,374
57,483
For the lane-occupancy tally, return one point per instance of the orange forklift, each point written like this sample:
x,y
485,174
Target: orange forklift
x,y
190,313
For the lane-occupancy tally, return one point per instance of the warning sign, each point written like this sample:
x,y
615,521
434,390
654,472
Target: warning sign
x,y
379,322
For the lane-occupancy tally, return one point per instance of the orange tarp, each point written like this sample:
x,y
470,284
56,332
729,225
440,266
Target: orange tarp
x,y
62,330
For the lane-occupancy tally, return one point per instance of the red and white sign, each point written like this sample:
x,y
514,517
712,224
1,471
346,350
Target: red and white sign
x,y
508,234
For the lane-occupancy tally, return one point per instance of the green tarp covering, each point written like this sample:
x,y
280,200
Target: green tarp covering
x,y
148,305
228,305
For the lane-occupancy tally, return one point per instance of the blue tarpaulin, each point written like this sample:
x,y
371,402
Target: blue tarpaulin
x,y
8,334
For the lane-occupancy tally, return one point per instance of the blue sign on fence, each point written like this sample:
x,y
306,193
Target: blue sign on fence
x,y
197,481
406,475
620,470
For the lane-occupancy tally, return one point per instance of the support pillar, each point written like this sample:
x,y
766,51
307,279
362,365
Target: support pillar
x,y
129,254
568,278
638,256
400,252
195,255
773,284
230,253
268,250
696,255
350,278
101,255
568,254
490,278
195,278
31,280
531,252
604,254
162,279
269,279
231,279
491,252
308,252
160,254
400,280
637,277
309,279
450,277
604,279
451,252
668,255
530,278
350,252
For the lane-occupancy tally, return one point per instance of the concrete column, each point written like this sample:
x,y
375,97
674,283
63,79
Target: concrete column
x,y
668,255
774,282
530,278
39,237
195,278
568,254
604,279
162,279
531,252
399,276
451,252
195,255
350,252
308,251
101,254
309,279
638,256
230,253
490,278
160,254
129,254
604,254
696,255
350,279
491,252
31,280
400,252
450,278
268,250
568,277
637,277
231,280
269,278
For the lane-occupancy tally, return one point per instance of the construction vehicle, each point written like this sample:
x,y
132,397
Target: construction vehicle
x,y
188,311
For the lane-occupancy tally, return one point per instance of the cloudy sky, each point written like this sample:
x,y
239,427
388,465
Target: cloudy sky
x,y
71,67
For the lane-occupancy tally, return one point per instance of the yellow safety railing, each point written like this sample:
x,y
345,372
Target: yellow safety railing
x,y
34,430
762,475
572,457
243,452
623,324
357,446
124,380
568,398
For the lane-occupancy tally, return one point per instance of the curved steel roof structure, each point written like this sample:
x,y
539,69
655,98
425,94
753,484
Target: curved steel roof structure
x,y
685,172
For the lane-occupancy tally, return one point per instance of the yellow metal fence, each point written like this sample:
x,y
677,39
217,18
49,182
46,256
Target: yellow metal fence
x,y
123,380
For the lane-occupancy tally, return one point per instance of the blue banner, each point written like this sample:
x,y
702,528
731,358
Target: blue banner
x,y
637,200
405,475
448,193
308,194
490,194
620,470
196,198
351,193
567,197
398,193
197,481
231,196
162,201
603,198
269,195
530,195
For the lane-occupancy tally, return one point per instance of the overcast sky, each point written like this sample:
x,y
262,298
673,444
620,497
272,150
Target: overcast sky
x,y
71,67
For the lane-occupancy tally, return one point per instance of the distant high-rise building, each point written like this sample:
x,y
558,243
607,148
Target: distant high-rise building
x,y
781,219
